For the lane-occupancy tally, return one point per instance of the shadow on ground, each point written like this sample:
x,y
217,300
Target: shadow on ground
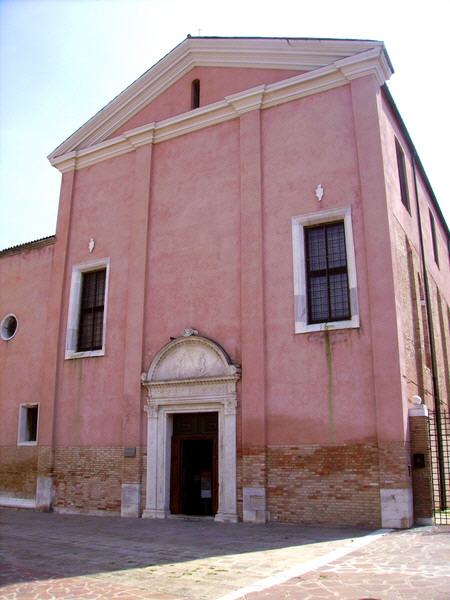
x,y
35,546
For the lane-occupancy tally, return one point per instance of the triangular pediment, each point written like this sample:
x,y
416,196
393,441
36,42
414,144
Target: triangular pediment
x,y
293,55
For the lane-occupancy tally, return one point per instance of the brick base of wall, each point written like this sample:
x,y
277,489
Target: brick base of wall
x,y
321,485
336,485
88,479
421,475
252,480
18,470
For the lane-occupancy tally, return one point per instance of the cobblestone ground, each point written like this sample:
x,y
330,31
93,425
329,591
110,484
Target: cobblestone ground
x,y
54,556
412,565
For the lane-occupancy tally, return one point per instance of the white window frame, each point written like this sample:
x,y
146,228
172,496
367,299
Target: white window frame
x,y
73,319
300,288
23,423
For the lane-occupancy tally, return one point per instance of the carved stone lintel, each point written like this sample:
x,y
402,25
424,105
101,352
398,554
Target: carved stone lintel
x,y
151,410
190,358
230,406
236,369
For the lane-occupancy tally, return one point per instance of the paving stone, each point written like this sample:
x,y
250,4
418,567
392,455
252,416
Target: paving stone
x,y
70,557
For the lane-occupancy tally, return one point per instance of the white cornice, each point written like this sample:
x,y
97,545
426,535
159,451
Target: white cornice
x,y
141,135
251,99
274,53
370,62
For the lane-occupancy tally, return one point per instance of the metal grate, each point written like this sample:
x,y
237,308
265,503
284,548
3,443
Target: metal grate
x,y
326,272
90,329
439,432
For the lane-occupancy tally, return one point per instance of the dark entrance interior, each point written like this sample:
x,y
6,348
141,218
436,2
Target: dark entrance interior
x,y
193,485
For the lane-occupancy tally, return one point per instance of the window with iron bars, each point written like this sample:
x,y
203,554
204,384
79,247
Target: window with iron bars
x,y
326,273
92,306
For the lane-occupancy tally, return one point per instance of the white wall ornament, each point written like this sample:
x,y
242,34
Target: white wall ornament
x,y
190,374
188,332
319,192
91,245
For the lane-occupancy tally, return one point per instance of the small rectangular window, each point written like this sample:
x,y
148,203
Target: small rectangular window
x,y
326,273
401,167
92,305
28,424
434,238
195,93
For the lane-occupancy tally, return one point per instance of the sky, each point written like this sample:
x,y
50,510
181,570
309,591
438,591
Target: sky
x,y
62,60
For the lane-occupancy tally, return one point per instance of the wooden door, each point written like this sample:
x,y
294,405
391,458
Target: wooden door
x,y
194,474
175,477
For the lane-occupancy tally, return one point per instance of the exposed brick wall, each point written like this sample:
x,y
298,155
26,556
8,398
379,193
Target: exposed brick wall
x,y
442,327
253,466
415,359
394,464
88,479
421,477
336,485
239,483
143,476
327,485
132,467
18,468
412,311
45,461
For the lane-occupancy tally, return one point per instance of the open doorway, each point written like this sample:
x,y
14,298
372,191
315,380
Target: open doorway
x,y
193,477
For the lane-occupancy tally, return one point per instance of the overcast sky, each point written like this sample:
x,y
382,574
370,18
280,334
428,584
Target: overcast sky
x,y
63,60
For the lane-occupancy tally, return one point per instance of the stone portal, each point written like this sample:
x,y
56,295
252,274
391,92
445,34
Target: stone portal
x,y
190,375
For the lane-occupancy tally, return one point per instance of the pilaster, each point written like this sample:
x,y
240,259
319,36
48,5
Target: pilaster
x,y
134,331
253,401
52,344
381,314
421,465
151,507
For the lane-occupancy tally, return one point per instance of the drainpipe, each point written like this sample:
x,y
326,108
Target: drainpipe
x,y
434,369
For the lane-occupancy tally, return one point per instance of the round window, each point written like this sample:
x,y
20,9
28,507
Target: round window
x,y
8,327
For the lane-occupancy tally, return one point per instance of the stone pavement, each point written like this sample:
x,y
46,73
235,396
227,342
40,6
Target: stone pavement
x,y
55,556
411,564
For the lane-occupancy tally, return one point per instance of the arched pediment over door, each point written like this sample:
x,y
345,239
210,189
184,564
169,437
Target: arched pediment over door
x,y
190,374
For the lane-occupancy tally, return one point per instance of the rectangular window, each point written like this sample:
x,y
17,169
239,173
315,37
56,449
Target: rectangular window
x,y
28,424
90,328
325,287
401,167
326,273
86,322
434,238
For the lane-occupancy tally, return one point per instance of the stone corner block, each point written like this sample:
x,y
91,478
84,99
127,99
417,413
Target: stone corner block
x,y
396,508
131,500
254,505
44,493
418,411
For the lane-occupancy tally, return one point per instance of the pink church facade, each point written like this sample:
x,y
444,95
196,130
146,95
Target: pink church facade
x,y
231,320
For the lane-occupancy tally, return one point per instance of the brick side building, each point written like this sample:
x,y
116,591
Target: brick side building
x,y
244,312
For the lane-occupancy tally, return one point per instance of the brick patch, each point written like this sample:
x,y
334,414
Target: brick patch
x,y
394,462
